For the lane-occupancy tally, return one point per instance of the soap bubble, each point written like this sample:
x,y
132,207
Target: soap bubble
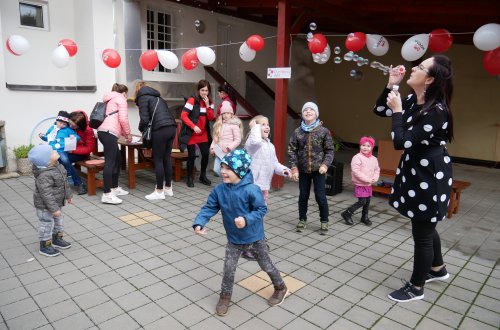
x,y
337,50
348,56
352,73
375,64
312,26
337,60
355,57
309,36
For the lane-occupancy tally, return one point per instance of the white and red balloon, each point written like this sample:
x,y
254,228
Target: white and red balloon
x,y
440,40
246,53
487,37
376,44
415,47
317,43
17,45
255,42
149,60
60,56
168,59
189,59
355,41
206,55
491,62
111,58
70,46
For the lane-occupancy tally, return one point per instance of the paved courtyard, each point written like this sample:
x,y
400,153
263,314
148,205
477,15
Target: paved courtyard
x,y
139,264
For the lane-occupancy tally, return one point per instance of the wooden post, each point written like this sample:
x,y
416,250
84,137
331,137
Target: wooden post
x,y
281,89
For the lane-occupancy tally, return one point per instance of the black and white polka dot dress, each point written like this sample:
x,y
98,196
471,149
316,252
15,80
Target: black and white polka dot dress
x,y
422,186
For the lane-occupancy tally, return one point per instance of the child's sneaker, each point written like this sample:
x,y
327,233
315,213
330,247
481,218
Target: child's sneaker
x,y
59,242
223,304
47,249
324,228
278,296
169,191
440,275
110,199
118,191
301,226
407,293
155,195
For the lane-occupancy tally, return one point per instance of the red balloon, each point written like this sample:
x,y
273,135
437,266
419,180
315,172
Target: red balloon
x,y
317,43
355,41
149,60
255,42
440,40
111,58
189,59
491,61
70,46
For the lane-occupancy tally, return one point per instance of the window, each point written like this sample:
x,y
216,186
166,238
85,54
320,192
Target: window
x,y
33,14
159,32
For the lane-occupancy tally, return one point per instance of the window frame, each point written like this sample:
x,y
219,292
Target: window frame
x,y
153,42
45,13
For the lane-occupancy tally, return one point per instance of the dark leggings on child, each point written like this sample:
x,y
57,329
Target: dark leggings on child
x,y
427,250
362,202
305,180
112,160
162,149
261,253
204,150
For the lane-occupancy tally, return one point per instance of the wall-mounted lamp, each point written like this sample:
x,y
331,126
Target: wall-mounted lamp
x,y
199,26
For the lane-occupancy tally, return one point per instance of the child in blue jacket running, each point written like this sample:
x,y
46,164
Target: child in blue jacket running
x,y
243,209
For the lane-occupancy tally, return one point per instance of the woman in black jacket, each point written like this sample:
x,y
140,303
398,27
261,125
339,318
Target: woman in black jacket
x,y
163,133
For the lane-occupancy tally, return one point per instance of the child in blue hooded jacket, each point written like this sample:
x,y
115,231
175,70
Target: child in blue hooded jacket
x,y
243,208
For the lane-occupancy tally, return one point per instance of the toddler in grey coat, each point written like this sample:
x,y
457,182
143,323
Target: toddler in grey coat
x,y
50,194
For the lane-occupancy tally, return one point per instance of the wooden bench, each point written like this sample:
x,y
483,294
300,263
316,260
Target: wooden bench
x,y
388,159
93,182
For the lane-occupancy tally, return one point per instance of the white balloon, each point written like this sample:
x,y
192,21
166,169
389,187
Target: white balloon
x,y
377,45
168,59
487,37
206,55
60,56
415,47
246,53
18,44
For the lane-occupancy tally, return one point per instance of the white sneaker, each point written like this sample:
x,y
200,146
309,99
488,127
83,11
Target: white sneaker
x,y
110,199
155,195
168,191
118,191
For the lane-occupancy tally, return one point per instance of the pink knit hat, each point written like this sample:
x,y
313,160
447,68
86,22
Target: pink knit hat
x,y
226,107
370,140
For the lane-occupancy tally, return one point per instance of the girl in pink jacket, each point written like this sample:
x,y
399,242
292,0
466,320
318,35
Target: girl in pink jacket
x,y
114,125
228,130
364,171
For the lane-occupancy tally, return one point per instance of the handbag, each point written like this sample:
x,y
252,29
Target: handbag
x,y
147,140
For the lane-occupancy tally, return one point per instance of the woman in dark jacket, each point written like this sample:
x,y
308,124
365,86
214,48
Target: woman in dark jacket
x,y
163,133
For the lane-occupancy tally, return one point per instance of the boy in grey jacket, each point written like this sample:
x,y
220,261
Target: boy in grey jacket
x,y
50,194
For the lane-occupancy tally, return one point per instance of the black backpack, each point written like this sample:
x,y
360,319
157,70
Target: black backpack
x,y
98,114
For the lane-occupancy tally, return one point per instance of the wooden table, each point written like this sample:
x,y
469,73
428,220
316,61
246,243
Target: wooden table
x,y
128,152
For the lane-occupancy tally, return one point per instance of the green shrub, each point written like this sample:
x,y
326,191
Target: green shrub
x,y
22,150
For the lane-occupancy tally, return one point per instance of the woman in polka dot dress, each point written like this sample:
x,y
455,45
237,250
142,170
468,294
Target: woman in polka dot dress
x,y
422,124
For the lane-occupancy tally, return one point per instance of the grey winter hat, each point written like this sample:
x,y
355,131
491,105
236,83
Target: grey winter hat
x,y
40,155
311,105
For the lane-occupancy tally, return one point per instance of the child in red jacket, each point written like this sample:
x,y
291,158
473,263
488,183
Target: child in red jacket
x,y
364,172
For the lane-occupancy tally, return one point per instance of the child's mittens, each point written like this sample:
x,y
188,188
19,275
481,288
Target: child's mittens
x,y
240,222
323,169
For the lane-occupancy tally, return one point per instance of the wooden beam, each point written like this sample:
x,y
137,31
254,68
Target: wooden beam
x,y
281,100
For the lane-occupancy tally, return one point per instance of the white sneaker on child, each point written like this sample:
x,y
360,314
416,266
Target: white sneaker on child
x,y
168,191
118,191
110,199
155,195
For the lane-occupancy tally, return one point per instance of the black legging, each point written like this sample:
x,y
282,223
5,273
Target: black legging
x,y
362,202
427,250
162,148
112,160
204,149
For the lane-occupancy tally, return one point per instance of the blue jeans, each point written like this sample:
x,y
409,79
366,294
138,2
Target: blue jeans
x,y
48,224
67,161
305,180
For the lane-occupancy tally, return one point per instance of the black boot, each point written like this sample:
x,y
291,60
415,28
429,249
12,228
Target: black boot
x,y
190,183
59,242
204,179
347,214
365,220
47,249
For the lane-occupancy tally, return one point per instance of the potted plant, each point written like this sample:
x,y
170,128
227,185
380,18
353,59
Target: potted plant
x,y
24,166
